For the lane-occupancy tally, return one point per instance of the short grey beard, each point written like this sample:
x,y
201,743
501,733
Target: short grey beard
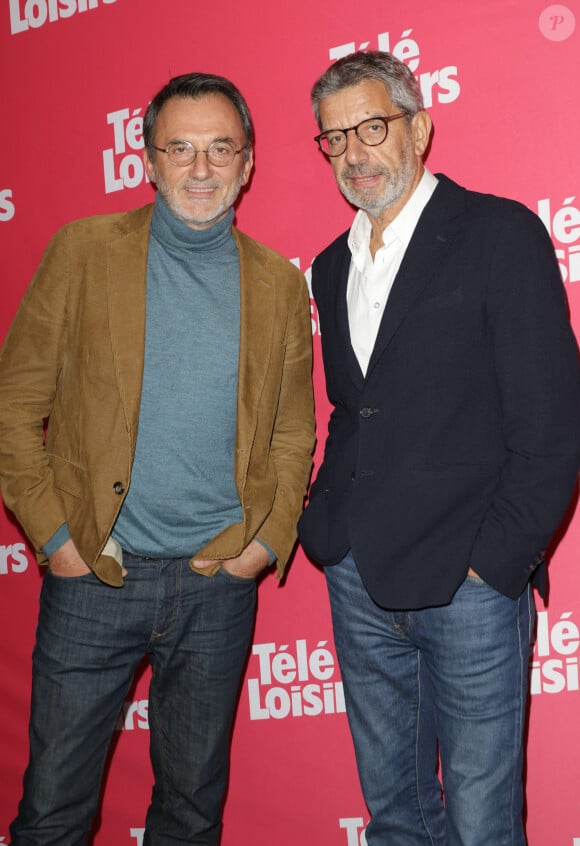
x,y
165,192
396,186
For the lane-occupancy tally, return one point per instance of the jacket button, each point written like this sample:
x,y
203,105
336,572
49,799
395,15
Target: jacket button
x,y
366,412
119,488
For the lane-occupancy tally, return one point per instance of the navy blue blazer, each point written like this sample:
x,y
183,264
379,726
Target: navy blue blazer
x,y
461,446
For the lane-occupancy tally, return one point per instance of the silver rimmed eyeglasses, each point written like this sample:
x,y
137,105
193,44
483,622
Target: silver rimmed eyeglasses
x,y
182,153
371,132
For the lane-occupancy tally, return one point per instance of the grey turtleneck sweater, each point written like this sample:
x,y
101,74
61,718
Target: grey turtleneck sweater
x,y
182,490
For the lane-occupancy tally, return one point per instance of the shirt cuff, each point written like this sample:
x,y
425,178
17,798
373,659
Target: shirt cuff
x,y
268,550
59,538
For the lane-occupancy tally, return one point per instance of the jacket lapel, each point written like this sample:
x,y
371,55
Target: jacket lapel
x,y
257,303
126,278
339,271
427,250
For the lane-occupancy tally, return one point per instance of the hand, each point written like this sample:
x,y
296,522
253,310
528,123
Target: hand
x,y
249,564
471,572
67,562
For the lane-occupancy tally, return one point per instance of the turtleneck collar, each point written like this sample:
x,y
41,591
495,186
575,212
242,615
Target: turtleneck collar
x,y
171,232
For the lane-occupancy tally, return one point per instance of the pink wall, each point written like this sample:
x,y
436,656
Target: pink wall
x,y
501,81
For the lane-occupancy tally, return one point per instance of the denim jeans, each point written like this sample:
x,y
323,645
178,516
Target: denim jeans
x,y
450,679
90,639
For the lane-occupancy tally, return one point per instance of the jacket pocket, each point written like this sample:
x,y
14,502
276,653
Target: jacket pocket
x,y
68,476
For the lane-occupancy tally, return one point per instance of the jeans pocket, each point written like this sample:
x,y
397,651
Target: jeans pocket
x,y
248,580
60,578
476,580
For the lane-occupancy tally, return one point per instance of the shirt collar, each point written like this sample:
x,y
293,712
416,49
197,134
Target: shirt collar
x,y
402,227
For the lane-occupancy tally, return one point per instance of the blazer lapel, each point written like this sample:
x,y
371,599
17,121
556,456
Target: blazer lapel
x,y
339,272
257,303
126,278
427,250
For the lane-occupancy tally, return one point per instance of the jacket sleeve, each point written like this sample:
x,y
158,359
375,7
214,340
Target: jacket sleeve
x,y
30,364
538,379
293,434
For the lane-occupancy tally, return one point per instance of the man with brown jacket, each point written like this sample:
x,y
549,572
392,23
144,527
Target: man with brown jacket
x,y
178,448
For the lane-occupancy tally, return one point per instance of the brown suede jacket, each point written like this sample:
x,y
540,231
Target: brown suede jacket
x,y
74,355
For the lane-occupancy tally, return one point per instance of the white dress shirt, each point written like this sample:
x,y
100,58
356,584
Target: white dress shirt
x,y
370,280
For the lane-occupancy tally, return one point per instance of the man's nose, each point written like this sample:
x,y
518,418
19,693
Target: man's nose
x,y
355,151
200,166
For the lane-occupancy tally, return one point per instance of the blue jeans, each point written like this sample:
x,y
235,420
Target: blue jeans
x,y
452,679
90,639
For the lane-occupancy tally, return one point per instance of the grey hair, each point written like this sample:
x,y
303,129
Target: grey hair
x,y
399,81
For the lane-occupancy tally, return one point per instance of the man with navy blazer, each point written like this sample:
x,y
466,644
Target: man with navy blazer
x,y
452,454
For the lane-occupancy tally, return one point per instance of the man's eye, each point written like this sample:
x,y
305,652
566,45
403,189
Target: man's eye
x,y
180,149
335,140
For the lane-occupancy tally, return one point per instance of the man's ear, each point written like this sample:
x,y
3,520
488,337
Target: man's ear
x,y
150,168
422,125
248,165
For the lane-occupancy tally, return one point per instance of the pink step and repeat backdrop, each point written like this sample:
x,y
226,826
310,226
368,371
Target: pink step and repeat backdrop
x,y
501,79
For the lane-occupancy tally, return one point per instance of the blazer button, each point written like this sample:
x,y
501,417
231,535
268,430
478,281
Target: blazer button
x,y
366,412
119,488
